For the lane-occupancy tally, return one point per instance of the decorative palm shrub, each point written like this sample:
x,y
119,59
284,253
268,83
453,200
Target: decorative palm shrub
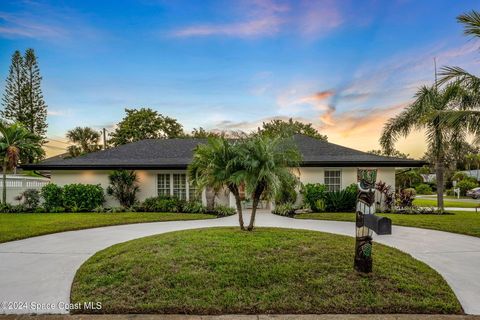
x,y
124,187
286,209
343,200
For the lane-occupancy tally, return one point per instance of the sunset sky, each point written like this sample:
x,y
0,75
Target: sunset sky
x,y
345,66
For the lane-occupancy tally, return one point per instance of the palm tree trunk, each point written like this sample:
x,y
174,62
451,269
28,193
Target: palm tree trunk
x,y
4,185
234,189
256,199
439,170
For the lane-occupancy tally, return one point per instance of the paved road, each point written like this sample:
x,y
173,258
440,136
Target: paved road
x,y
40,270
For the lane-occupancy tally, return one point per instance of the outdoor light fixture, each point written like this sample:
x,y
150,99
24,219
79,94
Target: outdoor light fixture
x,y
366,220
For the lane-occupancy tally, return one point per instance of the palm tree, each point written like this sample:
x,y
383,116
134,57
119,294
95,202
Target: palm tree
x,y
447,116
16,140
266,163
214,166
124,187
85,140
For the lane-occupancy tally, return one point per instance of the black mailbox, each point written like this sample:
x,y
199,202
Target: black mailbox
x,y
380,225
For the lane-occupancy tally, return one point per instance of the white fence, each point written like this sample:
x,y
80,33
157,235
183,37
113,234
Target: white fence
x,y
16,184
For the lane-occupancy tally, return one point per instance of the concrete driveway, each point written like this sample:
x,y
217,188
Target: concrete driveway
x,y
36,273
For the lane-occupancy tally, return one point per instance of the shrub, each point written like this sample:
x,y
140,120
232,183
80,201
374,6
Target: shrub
x,y
344,200
123,186
314,195
387,196
194,207
286,209
286,194
423,188
31,199
405,198
82,197
52,195
223,211
163,204
465,185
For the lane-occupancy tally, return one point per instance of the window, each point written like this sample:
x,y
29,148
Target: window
x,y
180,186
192,193
333,179
163,184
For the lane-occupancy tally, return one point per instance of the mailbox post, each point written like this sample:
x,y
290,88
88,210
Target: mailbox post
x,y
366,221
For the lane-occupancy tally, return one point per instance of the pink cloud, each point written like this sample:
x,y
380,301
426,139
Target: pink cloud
x,y
319,17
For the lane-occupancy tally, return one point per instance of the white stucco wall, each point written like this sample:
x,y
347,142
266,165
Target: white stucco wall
x,y
148,180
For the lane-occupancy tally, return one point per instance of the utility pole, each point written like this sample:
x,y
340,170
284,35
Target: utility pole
x,y
104,138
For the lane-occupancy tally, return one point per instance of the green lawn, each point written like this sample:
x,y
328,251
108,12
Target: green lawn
x,y
225,271
459,222
447,203
14,226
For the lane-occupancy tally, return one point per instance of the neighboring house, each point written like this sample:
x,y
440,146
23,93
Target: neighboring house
x,y
161,166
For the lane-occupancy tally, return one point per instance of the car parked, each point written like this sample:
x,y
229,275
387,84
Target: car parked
x,y
474,193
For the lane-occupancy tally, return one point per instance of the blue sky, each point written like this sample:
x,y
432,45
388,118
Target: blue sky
x,y
345,66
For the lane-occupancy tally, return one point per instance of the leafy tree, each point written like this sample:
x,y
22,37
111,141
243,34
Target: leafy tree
x,y
85,140
145,123
394,153
215,165
266,164
201,133
281,128
14,141
445,118
124,187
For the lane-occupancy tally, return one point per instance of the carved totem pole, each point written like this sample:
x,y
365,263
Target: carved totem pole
x,y
366,220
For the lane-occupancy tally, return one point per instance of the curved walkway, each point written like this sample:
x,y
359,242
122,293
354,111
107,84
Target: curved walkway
x,y
38,272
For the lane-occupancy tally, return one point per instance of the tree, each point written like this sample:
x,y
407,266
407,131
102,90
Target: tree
x,y
145,123
215,165
280,128
266,164
394,153
23,100
124,187
85,140
14,141
446,119
201,133
13,98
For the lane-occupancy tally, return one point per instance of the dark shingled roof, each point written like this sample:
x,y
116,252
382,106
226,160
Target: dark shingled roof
x,y
177,154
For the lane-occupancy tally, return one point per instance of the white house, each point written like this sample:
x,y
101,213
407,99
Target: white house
x,y
161,166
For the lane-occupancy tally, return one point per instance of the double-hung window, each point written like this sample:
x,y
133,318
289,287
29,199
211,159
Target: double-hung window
x,y
333,180
163,184
180,186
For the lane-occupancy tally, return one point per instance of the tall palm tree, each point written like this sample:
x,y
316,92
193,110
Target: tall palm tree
x,y
85,140
447,116
266,163
16,140
214,166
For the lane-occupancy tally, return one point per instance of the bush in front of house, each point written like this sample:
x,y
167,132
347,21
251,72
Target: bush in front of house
x,y
162,204
286,209
405,198
223,211
314,196
423,188
52,195
124,187
287,192
31,199
82,197
342,201
465,185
